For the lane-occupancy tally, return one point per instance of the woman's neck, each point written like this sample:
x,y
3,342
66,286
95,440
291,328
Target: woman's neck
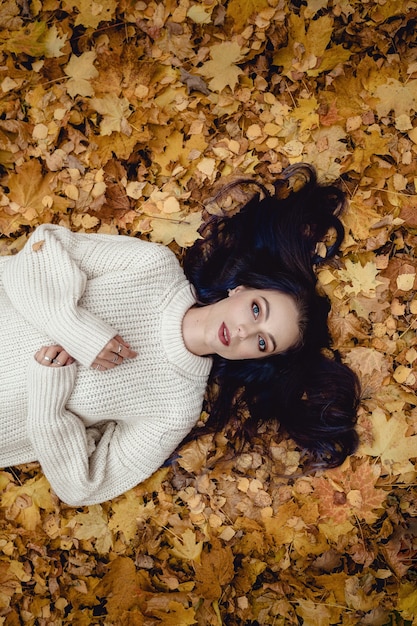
x,y
193,324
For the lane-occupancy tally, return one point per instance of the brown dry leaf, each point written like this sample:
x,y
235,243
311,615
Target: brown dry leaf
x,y
33,194
215,571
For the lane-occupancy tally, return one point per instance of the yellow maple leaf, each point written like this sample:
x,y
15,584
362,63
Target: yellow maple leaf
x,y
306,48
93,525
54,43
177,614
222,67
126,513
187,547
407,601
26,501
361,216
242,10
115,112
33,193
198,14
367,146
358,278
80,71
179,227
396,96
390,441
91,13
313,614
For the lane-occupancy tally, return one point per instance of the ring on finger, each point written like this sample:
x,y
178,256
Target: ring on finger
x,y
115,358
98,366
46,358
56,361
120,348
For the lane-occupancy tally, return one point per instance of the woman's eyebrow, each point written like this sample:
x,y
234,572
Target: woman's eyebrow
x,y
271,339
266,304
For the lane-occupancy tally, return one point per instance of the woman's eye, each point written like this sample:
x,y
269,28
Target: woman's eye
x,y
262,344
255,310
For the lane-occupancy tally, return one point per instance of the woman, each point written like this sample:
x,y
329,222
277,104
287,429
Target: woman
x,y
100,415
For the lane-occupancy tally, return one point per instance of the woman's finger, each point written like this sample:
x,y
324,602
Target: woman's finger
x,y
53,356
115,351
101,365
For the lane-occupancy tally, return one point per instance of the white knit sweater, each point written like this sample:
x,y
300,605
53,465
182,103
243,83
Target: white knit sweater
x,y
96,434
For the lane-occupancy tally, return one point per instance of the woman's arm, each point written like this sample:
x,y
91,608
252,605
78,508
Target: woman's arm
x,y
44,284
63,444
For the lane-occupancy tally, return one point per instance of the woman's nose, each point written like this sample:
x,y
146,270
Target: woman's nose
x,y
242,332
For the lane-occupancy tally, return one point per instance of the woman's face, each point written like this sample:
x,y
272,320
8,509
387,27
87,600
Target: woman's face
x,y
251,324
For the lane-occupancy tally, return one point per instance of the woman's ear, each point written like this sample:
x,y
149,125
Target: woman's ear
x,y
232,292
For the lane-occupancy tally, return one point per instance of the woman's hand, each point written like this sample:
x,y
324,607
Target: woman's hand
x,y
113,354
53,356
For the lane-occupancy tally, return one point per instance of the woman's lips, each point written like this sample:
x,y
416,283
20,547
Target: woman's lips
x,y
224,335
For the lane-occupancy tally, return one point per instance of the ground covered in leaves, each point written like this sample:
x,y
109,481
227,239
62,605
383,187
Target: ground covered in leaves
x,y
122,117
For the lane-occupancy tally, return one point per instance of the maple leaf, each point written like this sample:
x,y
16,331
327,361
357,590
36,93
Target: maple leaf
x,y
367,146
198,14
368,362
359,279
121,585
390,441
306,49
343,326
242,10
187,547
81,70
178,614
90,14
396,96
361,216
313,614
193,456
54,43
26,501
9,15
28,40
181,228
125,515
222,67
215,570
114,111
343,493
33,192
93,525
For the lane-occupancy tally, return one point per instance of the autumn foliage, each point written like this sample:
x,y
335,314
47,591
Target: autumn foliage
x,y
123,117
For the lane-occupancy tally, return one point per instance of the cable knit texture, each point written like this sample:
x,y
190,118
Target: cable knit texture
x,y
96,434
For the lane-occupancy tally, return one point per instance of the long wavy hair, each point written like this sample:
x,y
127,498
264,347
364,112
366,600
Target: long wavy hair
x,y
271,243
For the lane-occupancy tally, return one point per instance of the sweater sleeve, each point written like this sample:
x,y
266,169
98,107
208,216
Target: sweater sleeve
x,y
44,283
82,469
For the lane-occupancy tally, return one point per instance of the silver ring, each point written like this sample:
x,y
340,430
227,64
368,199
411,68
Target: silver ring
x,y
98,366
120,348
56,361
115,358
46,358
